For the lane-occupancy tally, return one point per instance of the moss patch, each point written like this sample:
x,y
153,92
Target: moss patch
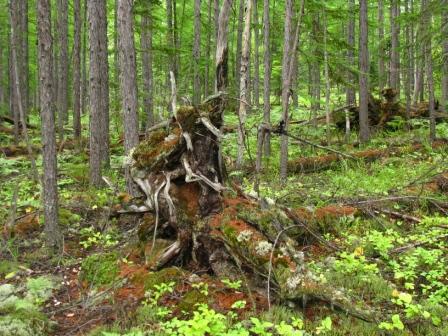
x,y
191,299
164,275
100,269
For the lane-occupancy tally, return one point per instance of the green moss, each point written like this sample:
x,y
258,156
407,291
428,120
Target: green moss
x,y
67,218
186,117
100,269
190,299
152,153
165,275
7,266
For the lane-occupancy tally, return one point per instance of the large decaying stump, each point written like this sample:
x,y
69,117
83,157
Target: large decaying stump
x,y
178,170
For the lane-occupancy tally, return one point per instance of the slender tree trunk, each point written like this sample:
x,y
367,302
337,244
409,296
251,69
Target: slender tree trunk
x,y
395,45
99,110
62,102
24,71
128,83
197,53
208,50
171,39
147,64
239,37
364,132
244,81
381,51
77,70
351,94
49,159
16,47
84,90
327,82
267,76
427,24
287,63
409,72
444,100
104,73
256,56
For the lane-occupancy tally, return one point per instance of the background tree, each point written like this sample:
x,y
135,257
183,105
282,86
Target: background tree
x,y
364,131
49,179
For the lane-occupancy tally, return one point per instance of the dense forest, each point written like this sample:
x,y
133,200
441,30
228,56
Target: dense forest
x,y
223,167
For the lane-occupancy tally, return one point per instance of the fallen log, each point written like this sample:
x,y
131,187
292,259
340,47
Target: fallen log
x,y
322,162
10,121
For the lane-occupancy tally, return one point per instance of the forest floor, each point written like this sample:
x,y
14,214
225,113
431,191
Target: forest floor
x,y
381,237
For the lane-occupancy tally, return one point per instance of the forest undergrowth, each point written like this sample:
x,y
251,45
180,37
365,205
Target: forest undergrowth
x,y
378,234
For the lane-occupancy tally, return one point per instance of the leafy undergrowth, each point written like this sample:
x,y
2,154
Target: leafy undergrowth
x,y
383,240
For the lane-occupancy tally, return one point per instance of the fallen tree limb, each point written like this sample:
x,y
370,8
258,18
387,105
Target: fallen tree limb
x,y
322,162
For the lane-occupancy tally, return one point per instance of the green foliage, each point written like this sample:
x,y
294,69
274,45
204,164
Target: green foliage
x,y
92,238
100,269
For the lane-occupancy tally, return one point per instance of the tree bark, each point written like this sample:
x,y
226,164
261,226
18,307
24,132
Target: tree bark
x,y
197,52
16,46
128,83
395,45
84,90
49,180
147,66
267,76
208,49
62,102
444,100
99,82
222,47
427,24
256,55
381,51
351,93
327,82
242,111
288,63
77,70
364,132
409,72
239,37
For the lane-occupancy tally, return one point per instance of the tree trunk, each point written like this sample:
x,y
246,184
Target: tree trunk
x,y
62,102
49,180
147,66
381,51
256,55
24,71
244,81
84,90
239,38
444,100
197,52
409,73
395,46
222,47
427,24
99,82
285,89
364,132
16,45
128,82
77,70
351,93
267,76
208,49
171,39
327,82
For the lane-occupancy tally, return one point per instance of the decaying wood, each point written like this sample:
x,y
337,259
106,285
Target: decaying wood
x,y
205,224
322,162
